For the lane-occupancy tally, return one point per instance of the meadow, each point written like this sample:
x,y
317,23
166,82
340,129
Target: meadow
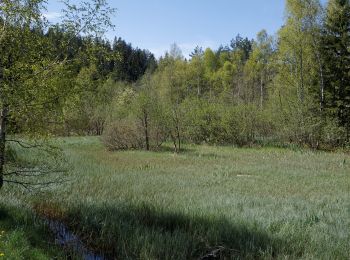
x,y
242,203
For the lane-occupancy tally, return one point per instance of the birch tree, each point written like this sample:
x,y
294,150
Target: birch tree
x,y
32,80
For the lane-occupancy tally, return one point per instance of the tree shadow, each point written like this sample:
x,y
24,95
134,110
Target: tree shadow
x,y
3,214
146,232
22,233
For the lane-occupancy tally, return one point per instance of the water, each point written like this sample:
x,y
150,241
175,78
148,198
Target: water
x,y
67,239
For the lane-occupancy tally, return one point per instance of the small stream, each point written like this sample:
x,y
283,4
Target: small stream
x,y
66,239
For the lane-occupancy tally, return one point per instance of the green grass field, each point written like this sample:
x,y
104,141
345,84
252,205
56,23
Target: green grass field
x,y
251,203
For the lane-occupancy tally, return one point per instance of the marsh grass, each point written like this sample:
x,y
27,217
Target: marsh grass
x,y
250,203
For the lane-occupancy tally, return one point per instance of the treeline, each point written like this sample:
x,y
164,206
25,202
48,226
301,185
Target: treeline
x,y
117,60
289,88
293,87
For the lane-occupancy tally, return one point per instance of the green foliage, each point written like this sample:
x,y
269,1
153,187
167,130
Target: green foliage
x,y
35,78
243,46
335,48
293,82
202,121
145,113
263,89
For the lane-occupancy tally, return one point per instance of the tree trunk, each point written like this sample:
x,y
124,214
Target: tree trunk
x,y
302,77
178,139
3,118
198,87
321,81
174,142
177,135
261,92
316,46
145,118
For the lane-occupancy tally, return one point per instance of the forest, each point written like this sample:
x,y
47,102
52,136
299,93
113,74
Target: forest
x,y
65,85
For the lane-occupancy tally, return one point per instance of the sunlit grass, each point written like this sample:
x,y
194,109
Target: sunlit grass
x,y
252,203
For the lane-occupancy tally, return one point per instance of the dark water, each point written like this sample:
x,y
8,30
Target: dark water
x,y
66,239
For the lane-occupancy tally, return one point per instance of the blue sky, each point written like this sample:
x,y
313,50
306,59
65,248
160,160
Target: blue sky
x,y
156,24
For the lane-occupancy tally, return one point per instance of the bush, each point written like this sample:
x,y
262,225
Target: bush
x,y
202,122
215,123
123,135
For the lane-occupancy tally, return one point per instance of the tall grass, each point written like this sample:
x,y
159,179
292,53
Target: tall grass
x,y
248,203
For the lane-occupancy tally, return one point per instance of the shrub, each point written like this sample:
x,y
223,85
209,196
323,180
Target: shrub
x,y
202,122
123,135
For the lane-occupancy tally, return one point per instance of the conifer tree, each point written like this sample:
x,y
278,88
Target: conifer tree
x,y
336,55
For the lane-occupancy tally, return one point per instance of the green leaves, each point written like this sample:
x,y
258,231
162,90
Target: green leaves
x,y
335,48
34,77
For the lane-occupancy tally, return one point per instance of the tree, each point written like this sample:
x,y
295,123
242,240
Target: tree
x,y
197,52
172,83
244,45
86,110
226,79
296,83
210,67
30,88
197,70
130,64
336,59
144,106
258,67
175,52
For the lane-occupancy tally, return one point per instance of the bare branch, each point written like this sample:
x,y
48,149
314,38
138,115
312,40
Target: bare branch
x,y
24,144
31,186
32,173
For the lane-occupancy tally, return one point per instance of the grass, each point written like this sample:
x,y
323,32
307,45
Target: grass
x,y
249,203
22,235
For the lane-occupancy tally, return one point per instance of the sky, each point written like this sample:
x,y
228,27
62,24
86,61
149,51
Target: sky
x,y
156,24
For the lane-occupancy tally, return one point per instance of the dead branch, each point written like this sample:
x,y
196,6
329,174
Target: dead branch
x,y
31,186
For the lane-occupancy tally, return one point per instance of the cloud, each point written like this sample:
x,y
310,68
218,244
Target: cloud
x,y
52,15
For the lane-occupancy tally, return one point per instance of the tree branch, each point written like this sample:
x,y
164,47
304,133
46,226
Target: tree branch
x,y
32,173
30,186
24,144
